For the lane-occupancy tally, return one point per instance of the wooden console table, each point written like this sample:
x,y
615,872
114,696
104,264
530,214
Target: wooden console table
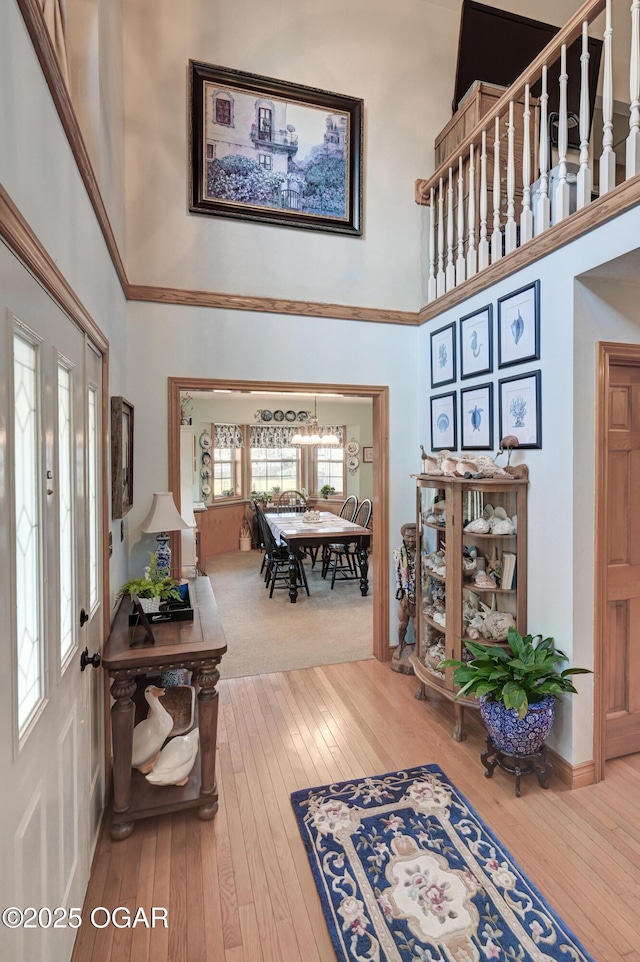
x,y
197,645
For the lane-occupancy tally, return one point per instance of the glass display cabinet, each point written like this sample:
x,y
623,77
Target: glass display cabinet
x,y
471,572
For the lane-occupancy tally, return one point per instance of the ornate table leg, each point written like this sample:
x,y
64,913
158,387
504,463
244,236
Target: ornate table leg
x,y
122,719
489,758
363,558
207,678
293,575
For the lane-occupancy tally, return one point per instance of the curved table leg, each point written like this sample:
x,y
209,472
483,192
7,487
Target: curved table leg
x,y
293,576
363,558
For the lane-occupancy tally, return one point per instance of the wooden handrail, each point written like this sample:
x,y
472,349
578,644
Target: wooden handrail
x,y
570,32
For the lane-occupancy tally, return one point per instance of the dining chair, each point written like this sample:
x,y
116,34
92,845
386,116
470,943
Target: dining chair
x,y
342,559
277,573
347,510
290,501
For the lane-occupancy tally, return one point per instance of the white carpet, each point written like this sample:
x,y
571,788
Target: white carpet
x,y
270,634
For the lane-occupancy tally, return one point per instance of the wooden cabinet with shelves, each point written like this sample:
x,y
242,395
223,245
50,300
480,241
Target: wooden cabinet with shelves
x,y
454,602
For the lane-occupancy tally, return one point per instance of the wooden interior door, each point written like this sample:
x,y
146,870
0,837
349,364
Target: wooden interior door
x,y
622,639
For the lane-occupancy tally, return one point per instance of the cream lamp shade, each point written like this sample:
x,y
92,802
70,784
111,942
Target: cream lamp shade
x,y
163,516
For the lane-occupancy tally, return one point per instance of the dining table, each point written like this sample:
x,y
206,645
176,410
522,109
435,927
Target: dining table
x,y
298,531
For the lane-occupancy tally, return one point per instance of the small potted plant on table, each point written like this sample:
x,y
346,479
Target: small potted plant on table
x,y
326,490
152,589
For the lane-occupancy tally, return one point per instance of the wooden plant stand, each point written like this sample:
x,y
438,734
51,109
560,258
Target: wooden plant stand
x,y
517,765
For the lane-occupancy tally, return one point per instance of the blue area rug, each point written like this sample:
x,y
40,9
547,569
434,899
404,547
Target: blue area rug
x,y
407,871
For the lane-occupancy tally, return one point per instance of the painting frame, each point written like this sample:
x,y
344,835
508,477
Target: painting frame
x,y
475,395
529,388
367,454
523,326
476,359
121,457
443,340
443,436
241,95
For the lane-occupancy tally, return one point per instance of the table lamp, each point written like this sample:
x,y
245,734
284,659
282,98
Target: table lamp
x,y
163,518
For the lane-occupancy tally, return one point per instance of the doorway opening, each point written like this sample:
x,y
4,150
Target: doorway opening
x,y
379,396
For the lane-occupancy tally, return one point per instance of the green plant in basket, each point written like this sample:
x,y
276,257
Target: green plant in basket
x,y
524,673
155,585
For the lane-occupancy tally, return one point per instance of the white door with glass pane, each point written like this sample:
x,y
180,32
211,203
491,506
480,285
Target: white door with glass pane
x,y
51,753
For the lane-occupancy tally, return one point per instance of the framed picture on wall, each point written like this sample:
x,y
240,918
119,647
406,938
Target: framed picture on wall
x,y
520,408
273,151
121,457
367,455
476,418
443,355
476,343
519,326
443,422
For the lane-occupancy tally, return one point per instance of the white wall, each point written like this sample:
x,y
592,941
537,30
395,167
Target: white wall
x,y
561,490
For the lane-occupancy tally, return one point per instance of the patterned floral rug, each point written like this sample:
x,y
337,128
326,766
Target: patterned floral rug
x,y
407,871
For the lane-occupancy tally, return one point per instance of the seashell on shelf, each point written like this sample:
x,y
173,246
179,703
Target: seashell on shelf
x,y
479,526
488,511
466,466
483,580
499,512
502,526
430,465
488,468
449,466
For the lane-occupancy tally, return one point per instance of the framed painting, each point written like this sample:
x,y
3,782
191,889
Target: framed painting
x,y
272,151
367,455
443,355
443,422
476,343
121,457
520,408
476,418
519,326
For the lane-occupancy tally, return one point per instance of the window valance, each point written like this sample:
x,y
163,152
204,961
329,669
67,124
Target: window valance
x,y
280,435
228,436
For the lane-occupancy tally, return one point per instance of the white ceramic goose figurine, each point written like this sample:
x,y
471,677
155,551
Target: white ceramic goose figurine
x,y
149,735
175,760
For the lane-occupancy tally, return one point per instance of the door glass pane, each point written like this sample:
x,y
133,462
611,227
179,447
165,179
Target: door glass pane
x,y
92,485
65,513
28,553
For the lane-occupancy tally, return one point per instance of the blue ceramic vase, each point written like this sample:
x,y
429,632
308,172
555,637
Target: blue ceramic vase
x,y
515,736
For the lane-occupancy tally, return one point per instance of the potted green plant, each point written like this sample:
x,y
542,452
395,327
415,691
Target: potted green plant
x,y
155,586
517,688
326,490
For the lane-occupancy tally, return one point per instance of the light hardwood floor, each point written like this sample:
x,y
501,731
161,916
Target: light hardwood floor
x,y
239,889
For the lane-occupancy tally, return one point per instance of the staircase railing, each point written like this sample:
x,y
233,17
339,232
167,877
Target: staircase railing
x,y
488,199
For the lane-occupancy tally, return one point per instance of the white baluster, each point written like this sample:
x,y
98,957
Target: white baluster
x,y
431,286
460,262
496,236
511,228
526,216
451,270
561,200
483,246
584,173
440,279
633,140
543,207
608,157
472,255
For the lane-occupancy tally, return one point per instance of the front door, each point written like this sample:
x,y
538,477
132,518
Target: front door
x,y
51,599
622,638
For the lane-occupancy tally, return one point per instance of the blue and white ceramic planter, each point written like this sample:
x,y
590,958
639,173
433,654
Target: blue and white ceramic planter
x,y
516,736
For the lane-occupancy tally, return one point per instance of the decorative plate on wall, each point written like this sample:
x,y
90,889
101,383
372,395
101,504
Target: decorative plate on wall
x,y
205,440
205,472
290,415
303,415
353,462
352,447
266,415
206,458
278,415
206,490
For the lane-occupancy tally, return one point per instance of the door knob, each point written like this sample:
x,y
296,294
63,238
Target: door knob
x,y
84,617
86,659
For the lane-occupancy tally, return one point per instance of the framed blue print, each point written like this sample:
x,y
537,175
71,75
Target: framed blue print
x,y
476,418
520,408
476,343
443,355
519,326
443,422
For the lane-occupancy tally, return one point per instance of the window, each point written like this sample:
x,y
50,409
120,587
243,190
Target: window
x,y
266,161
329,469
226,473
66,559
93,479
210,152
28,528
223,111
275,468
264,123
